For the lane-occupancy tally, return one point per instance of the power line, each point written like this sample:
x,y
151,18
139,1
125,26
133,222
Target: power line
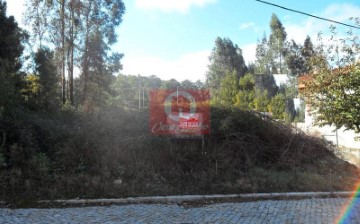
x,y
307,14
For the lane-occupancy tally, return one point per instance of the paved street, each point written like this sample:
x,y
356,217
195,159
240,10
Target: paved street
x,y
313,210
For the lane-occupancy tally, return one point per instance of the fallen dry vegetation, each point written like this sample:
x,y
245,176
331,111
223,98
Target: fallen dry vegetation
x,y
112,154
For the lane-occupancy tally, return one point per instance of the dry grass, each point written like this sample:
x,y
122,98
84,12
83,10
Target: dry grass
x,y
112,154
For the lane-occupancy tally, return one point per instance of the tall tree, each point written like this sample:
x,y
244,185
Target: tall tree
x,y
298,58
62,36
332,93
246,94
264,60
229,88
187,84
225,57
295,60
170,84
74,8
12,39
99,18
277,106
72,23
48,79
261,100
101,68
266,82
48,22
277,41
307,52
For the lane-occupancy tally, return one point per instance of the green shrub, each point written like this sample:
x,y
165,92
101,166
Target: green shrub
x,y
111,153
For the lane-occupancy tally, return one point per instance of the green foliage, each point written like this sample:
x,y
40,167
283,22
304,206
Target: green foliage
x,y
108,151
81,33
170,84
112,154
277,41
271,52
187,84
298,58
126,88
294,59
276,55
225,57
246,94
245,100
11,46
261,101
242,94
264,61
266,82
290,88
12,81
333,91
307,52
229,88
31,92
48,80
99,77
277,106
247,83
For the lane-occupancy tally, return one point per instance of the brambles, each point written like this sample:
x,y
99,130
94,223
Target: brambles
x,y
113,154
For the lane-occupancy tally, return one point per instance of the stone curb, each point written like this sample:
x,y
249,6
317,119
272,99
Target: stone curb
x,y
188,198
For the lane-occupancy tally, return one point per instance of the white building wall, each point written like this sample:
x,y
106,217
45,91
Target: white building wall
x,y
343,137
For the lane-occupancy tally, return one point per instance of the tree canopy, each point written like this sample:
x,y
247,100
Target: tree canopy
x,y
225,57
77,31
12,40
332,90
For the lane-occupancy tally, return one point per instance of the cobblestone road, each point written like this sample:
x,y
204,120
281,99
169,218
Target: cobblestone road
x,y
313,210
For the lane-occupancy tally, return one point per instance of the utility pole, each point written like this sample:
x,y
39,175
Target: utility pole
x,y
139,100
177,94
143,93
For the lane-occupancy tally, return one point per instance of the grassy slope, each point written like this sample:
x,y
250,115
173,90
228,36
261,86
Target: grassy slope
x,y
112,154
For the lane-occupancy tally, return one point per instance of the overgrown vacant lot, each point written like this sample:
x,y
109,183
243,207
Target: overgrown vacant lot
x,y
112,154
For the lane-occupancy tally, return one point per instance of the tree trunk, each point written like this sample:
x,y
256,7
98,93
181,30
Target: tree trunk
x,y
63,51
71,56
85,62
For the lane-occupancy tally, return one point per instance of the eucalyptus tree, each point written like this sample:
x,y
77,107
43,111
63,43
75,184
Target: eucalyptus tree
x,y
99,18
295,60
264,60
74,24
277,42
48,19
307,52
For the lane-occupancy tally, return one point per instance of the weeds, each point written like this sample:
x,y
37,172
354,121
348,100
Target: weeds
x,y
112,154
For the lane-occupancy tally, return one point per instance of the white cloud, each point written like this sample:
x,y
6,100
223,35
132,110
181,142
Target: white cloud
x,y
341,12
15,8
312,26
171,5
244,26
309,26
190,66
248,52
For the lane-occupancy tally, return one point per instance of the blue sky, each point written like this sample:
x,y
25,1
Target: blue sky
x,y
173,38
